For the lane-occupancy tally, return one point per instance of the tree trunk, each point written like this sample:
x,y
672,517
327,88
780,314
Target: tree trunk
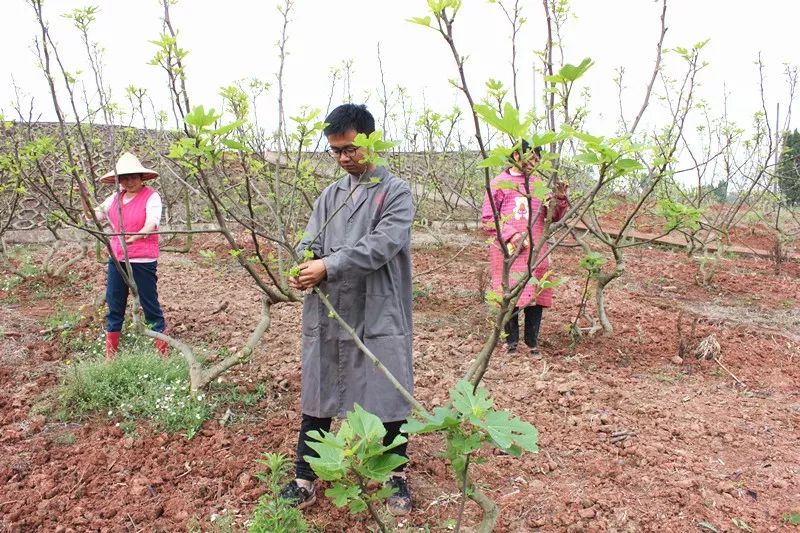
x,y
600,298
605,323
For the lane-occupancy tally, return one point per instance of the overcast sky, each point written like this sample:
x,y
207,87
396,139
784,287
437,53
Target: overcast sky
x,y
237,39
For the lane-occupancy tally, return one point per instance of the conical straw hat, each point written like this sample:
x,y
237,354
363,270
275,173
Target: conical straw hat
x,y
128,164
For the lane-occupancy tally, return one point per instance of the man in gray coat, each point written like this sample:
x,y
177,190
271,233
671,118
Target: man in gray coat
x,y
360,234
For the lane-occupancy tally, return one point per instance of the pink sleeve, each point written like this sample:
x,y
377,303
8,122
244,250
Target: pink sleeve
x,y
102,210
487,217
153,210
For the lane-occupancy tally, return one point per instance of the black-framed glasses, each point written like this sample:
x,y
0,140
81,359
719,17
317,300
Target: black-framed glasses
x,y
336,153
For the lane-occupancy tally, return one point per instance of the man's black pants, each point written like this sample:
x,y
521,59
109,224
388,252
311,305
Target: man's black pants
x,y
310,423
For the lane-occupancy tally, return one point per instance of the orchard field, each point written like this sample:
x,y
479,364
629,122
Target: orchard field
x,y
698,447
667,393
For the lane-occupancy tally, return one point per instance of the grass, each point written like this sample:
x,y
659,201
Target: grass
x,y
9,282
668,375
90,344
40,291
792,518
420,291
136,384
468,294
11,299
235,395
86,344
66,439
22,256
273,514
139,384
62,321
216,524
22,259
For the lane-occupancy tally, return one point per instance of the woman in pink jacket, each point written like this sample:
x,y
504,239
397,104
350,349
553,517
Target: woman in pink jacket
x,y
515,221
134,208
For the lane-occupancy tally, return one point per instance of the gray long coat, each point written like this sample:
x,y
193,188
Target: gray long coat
x,y
366,250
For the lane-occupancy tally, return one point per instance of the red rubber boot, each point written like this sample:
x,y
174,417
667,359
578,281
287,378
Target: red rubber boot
x,y
112,344
162,346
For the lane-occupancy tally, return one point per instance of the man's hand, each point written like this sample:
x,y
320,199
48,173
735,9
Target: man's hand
x,y
295,284
311,273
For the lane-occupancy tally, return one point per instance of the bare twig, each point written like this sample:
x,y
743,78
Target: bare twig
x,y
731,374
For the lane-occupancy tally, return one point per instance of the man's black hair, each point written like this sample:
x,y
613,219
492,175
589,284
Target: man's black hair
x,y
526,147
348,117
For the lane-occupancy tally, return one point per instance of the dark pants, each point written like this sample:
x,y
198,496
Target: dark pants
x,y
144,274
533,319
310,423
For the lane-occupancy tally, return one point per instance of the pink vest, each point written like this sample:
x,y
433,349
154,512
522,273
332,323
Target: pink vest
x,y
133,216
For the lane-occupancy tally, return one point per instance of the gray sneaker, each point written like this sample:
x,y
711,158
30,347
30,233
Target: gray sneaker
x,y
398,503
299,496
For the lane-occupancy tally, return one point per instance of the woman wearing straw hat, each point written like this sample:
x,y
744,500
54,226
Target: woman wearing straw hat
x,y
135,210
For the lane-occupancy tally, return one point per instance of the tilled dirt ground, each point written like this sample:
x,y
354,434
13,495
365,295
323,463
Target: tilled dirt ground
x,y
633,438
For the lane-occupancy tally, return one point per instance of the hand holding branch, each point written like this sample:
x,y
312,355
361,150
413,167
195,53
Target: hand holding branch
x,y
311,273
